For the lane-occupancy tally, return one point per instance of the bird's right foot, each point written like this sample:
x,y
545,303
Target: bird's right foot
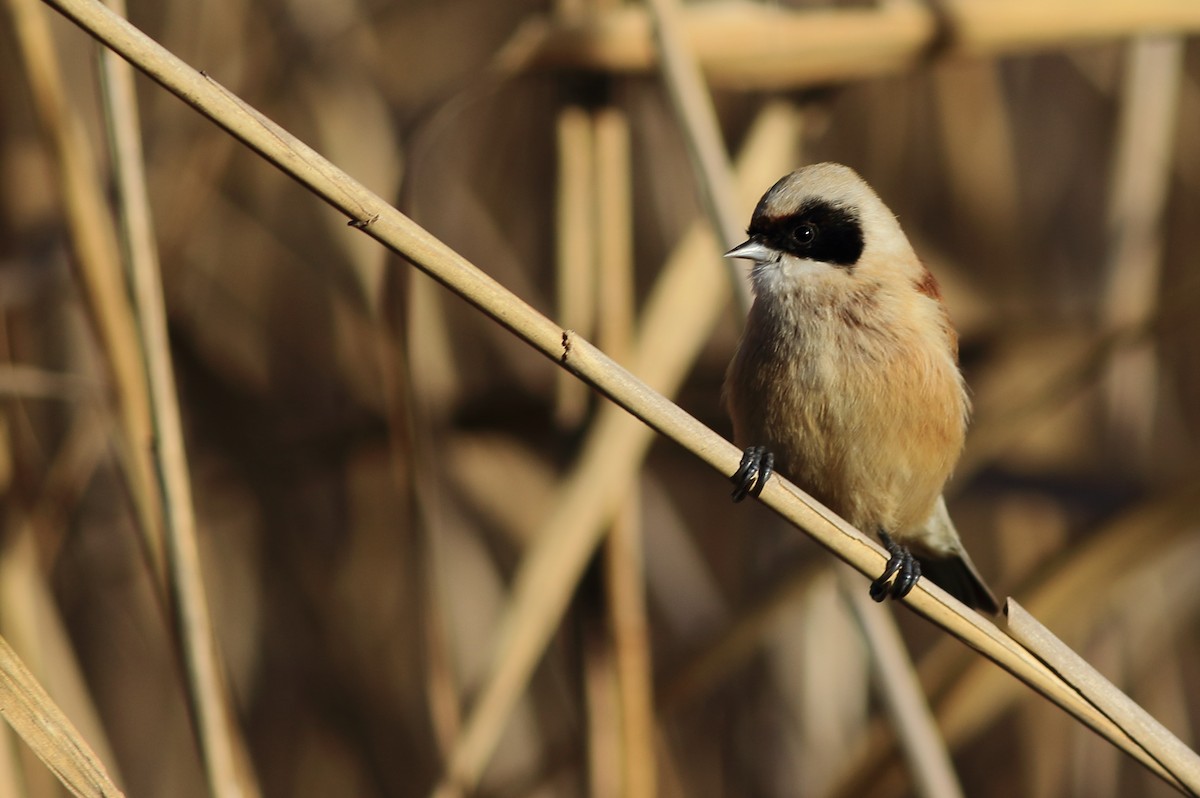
x,y
900,563
751,477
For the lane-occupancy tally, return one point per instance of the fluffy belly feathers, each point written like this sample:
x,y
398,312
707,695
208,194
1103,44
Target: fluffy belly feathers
x,y
872,436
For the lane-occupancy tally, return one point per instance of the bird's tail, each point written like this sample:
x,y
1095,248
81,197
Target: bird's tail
x,y
947,564
958,577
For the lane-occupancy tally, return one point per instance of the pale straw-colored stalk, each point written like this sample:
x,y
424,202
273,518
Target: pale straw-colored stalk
x,y
376,218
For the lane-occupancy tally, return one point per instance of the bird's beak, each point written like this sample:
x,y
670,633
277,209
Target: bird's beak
x,y
752,250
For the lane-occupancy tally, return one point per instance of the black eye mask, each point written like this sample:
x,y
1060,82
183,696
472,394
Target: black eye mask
x,y
818,231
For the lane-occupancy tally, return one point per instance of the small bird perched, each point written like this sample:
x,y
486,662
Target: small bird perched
x,y
846,379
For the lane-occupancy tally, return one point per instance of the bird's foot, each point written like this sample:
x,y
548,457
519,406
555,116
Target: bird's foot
x,y
757,466
902,564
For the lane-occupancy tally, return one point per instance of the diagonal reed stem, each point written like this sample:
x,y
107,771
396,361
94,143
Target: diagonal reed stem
x,y
220,744
387,225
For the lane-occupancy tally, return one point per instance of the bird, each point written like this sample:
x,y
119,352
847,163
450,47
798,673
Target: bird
x,y
846,377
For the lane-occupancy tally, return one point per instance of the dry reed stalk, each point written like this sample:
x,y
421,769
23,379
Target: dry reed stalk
x,y
417,378
1043,736
603,711
698,121
980,28
753,45
624,546
12,779
409,441
631,644
25,704
1181,761
616,312
977,144
972,699
375,217
748,45
410,398
682,308
1137,202
744,637
547,576
445,703
355,127
1133,542
575,226
915,729
221,745
34,625
98,266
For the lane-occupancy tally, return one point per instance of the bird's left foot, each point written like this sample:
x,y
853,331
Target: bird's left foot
x,y
751,477
902,564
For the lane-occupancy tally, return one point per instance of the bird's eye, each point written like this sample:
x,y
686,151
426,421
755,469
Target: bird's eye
x,y
805,233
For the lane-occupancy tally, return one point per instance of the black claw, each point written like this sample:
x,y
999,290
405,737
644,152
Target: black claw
x,y
766,467
902,564
910,572
879,588
756,468
743,478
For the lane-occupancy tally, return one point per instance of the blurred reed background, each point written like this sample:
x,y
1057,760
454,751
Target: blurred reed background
x,y
371,458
